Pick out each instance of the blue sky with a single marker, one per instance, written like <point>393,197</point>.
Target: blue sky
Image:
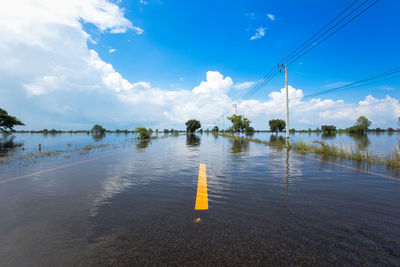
<point>186,39</point>
<point>164,50</point>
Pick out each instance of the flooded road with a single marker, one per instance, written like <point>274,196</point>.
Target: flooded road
<point>134,204</point>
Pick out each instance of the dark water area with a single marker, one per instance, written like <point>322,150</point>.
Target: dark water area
<point>133,204</point>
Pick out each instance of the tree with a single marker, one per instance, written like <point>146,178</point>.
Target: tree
<point>7,122</point>
<point>250,130</point>
<point>328,129</point>
<point>192,126</point>
<point>215,129</point>
<point>361,125</point>
<point>143,132</point>
<point>363,122</point>
<point>98,129</point>
<point>277,125</point>
<point>239,123</point>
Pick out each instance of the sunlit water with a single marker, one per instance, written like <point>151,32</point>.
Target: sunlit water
<point>134,204</point>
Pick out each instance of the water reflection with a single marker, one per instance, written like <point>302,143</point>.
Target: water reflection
<point>361,141</point>
<point>192,140</point>
<point>279,141</point>
<point>142,144</point>
<point>249,134</point>
<point>287,176</point>
<point>326,136</point>
<point>98,136</point>
<point>7,144</point>
<point>239,145</point>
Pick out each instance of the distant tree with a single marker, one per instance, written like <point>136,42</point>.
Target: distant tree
<point>98,129</point>
<point>201,131</point>
<point>250,130</point>
<point>143,132</point>
<point>328,129</point>
<point>166,131</point>
<point>363,122</point>
<point>277,125</point>
<point>215,129</point>
<point>361,126</point>
<point>7,122</point>
<point>239,123</point>
<point>192,126</point>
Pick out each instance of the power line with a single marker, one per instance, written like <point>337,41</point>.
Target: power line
<point>390,74</point>
<point>304,47</point>
<point>353,18</point>
<point>353,84</point>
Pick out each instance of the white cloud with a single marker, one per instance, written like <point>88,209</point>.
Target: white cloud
<point>111,50</point>
<point>251,15</point>
<point>51,79</point>
<point>243,85</point>
<point>143,2</point>
<point>260,32</point>
<point>271,17</point>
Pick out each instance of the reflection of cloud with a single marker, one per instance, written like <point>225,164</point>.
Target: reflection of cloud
<point>119,177</point>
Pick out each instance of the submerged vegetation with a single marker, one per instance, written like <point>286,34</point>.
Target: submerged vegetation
<point>143,132</point>
<point>320,148</point>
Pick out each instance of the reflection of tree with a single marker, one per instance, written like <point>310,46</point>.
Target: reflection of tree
<point>326,135</point>
<point>7,145</point>
<point>142,144</point>
<point>239,146</point>
<point>98,136</point>
<point>276,140</point>
<point>361,141</point>
<point>249,134</point>
<point>192,140</point>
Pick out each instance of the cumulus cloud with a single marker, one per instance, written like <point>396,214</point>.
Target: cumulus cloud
<point>260,32</point>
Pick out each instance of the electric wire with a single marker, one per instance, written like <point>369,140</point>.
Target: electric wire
<point>314,40</point>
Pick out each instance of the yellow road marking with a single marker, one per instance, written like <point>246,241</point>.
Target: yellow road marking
<point>202,196</point>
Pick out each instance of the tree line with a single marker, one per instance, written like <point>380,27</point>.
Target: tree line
<point>240,124</point>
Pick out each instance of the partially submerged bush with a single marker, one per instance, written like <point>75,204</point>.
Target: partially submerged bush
<point>143,132</point>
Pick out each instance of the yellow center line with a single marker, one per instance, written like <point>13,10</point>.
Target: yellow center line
<point>202,196</point>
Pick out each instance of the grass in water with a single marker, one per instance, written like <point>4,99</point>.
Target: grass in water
<point>320,148</point>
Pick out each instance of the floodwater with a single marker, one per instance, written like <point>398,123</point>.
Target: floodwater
<point>132,203</point>
<point>380,143</point>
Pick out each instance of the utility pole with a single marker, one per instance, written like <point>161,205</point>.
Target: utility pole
<point>287,106</point>
<point>284,66</point>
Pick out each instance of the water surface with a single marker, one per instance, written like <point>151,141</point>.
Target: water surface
<point>133,203</point>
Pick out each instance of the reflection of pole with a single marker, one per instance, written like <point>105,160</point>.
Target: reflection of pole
<point>287,176</point>
<point>287,105</point>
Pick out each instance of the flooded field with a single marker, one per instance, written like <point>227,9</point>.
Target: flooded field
<point>129,202</point>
